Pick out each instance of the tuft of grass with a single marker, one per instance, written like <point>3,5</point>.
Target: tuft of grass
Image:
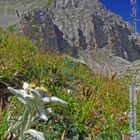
<point>5,116</point>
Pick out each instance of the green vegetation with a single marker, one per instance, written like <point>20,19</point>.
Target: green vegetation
<point>98,106</point>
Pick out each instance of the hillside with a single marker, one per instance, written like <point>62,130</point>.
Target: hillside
<point>77,51</point>
<point>88,31</point>
<point>86,26</point>
<point>92,109</point>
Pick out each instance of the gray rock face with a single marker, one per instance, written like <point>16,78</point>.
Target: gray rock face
<point>86,25</point>
<point>39,27</point>
<point>100,61</point>
<point>131,73</point>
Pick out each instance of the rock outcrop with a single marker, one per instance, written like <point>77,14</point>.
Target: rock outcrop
<point>87,24</point>
<point>83,25</point>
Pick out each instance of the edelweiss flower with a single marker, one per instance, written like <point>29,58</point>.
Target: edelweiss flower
<point>33,99</point>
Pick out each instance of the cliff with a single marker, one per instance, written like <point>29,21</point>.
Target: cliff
<point>85,30</point>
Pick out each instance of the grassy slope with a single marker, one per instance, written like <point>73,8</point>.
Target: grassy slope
<point>96,103</point>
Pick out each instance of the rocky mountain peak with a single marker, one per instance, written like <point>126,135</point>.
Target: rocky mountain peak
<point>80,25</point>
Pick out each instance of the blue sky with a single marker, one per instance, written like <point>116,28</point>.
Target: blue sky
<point>123,8</point>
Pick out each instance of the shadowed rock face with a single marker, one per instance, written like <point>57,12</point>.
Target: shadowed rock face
<point>87,25</point>
<point>39,27</point>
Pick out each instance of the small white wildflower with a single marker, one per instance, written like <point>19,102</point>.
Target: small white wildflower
<point>34,99</point>
<point>25,85</point>
<point>69,91</point>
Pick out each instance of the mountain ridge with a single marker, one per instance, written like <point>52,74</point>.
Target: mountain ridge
<point>85,25</point>
<point>80,27</point>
